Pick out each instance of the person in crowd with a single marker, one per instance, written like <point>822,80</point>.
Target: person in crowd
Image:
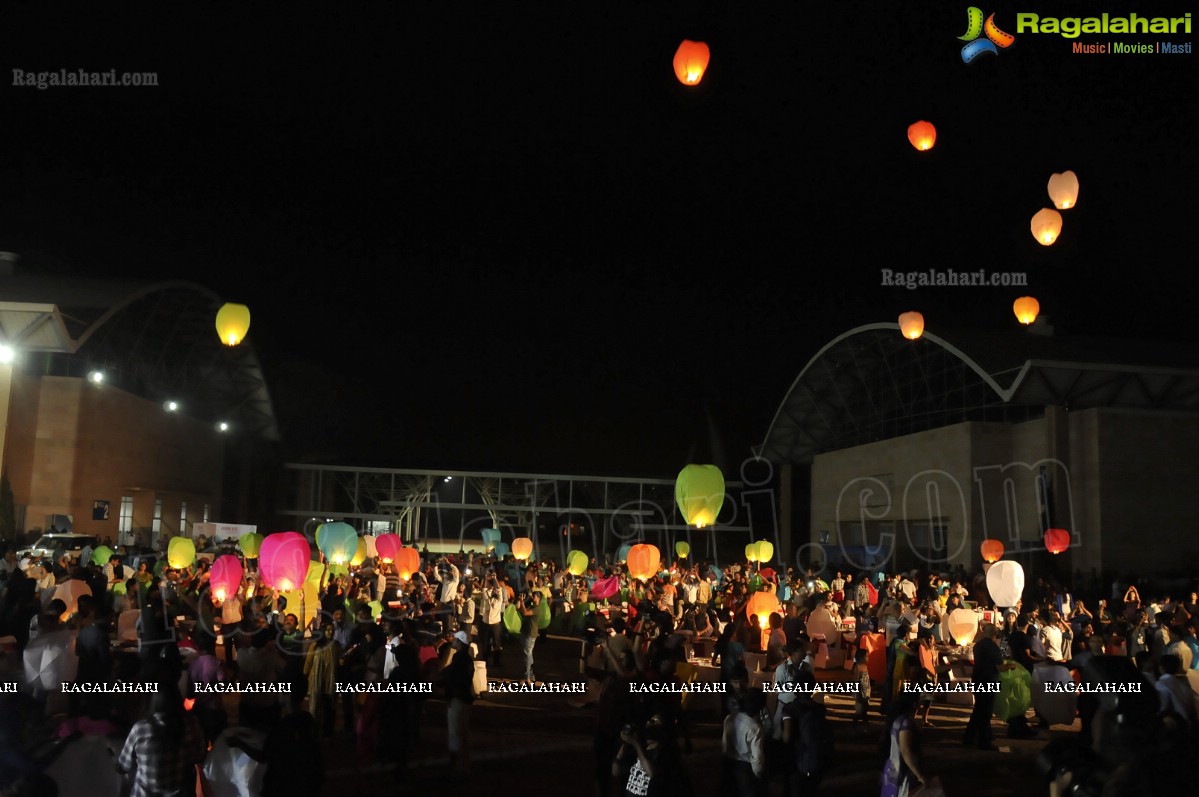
<point>161,752</point>
<point>743,745</point>
<point>320,668</point>
<point>458,680</point>
<point>529,631</point>
<point>904,768</point>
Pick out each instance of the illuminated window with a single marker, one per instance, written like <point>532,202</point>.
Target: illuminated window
<point>125,523</point>
<point>183,519</point>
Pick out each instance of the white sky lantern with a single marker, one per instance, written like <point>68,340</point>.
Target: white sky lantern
<point>1063,190</point>
<point>963,624</point>
<point>1005,582</point>
<point>1046,226</point>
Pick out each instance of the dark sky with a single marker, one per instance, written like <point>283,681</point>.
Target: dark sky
<point>505,236</point>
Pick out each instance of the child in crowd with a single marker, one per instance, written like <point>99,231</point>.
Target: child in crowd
<point>862,701</point>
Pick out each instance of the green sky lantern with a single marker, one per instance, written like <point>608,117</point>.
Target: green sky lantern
<point>576,563</point>
<point>101,555</point>
<point>337,541</point>
<point>682,548</point>
<point>699,493</point>
<point>181,552</point>
<point>250,544</point>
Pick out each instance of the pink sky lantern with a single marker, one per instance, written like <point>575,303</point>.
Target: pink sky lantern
<point>283,560</point>
<point>224,577</point>
<point>388,546</point>
<point>605,588</point>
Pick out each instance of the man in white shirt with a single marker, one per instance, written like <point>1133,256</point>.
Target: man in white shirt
<point>449,582</point>
<point>794,670</point>
<point>743,742</point>
<point>1056,637</point>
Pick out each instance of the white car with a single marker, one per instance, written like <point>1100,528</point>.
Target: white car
<point>48,545</point>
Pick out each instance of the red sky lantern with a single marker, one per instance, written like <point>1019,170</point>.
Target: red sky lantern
<point>992,550</point>
<point>388,546</point>
<point>922,135</point>
<point>407,562</point>
<point>1056,540</point>
<point>691,61</point>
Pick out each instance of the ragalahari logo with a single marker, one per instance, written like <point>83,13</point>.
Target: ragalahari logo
<point>995,40</point>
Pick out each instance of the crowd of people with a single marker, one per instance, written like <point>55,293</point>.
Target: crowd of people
<point>161,625</point>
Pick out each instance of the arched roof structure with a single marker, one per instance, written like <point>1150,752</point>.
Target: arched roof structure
<point>871,384</point>
<point>154,339</point>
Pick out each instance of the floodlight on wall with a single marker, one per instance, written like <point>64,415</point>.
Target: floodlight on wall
<point>7,353</point>
<point>96,377</point>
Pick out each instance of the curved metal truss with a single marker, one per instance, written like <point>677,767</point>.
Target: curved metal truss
<point>871,384</point>
<point>155,340</point>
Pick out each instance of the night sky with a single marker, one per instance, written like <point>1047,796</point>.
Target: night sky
<point>504,236</point>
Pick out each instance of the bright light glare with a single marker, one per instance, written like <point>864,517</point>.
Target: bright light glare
<point>222,426</point>
<point>96,377</point>
<point>171,406</point>
<point>449,478</point>
<point>6,353</point>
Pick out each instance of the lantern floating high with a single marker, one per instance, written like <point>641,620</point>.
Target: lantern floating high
<point>1026,309</point>
<point>682,548</point>
<point>923,135</point>
<point>691,61</point>
<point>224,577</point>
<point>992,550</point>
<point>643,561</point>
<point>232,323</point>
<point>576,563</point>
<point>911,324</point>
<point>1046,226</point>
<point>522,548</point>
<point>1063,190</point>
<point>699,494</point>
<point>181,552</point>
<point>1056,540</point>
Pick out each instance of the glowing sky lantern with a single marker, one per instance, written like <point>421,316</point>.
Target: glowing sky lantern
<point>181,552</point>
<point>765,550</point>
<point>491,538</point>
<point>763,604</point>
<point>250,544</point>
<point>283,560</point>
<point>691,61</point>
<point>1056,540</point>
<point>576,563</point>
<point>224,577</point>
<point>371,551</point>
<point>337,541</point>
<point>232,323</point>
<point>360,553</point>
<point>699,493</point>
<point>1026,309</point>
<point>963,625</point>
<point>911,324</point>
<point>751,552</point>
<point>682,549</point>
<point>1005,583</point>
<point>922,135</point>
<point>992,550</point>
<point>387,546</point>
<point>1063,190</point>
<point>522,548</point>
<point>407,562</point>
<point>644,561</point>
<point>1046,225</point>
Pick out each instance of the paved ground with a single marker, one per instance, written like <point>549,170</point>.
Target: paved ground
<point>541,745</point>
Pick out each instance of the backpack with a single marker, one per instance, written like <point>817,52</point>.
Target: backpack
<point>815,748</point>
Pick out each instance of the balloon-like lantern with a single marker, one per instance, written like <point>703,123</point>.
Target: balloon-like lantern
<point>1005,583</point>
<point>224,577</point>
<point>963,625</point>
<point>181,552</point>
<point>1063,190</point>
<point>1046,225</point>
<point>522,548</point>
<point>250,544</point>
<point>763,604</point>
<point>388,546</point>
<point>101,555</point>
<point>992,550</point>
<point>922,135</point>
<point>337,541</point>
<point>682,548</point>
<point>360,552</point>
<point>765,550</point>
<point>232,323</point>
<point>576,563</point>
<point>691,61</point>
<point>1056,540</point>
<point>1026,309</point>
<point>407,562</point>
<point>699,493</point>
<point>644,560</point>
<point>283,560</point>
<point>911,324</point>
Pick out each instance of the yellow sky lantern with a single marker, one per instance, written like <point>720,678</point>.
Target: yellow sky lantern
<point>1026,309</point>
<point>1063,190</point>
<point>911,324</point>
<point>1046,226</point>
<point>922,135</point>
<point>232,323</point>
<point>691,61</point>
<point>699,494</point>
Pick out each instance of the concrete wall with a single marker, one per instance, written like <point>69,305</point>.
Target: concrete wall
<point>78,443</point>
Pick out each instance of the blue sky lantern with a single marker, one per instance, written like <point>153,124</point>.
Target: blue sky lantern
<point>502,549</point>
<point>622,553</point>
<point>491,538</point>
<point>337,541</point>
